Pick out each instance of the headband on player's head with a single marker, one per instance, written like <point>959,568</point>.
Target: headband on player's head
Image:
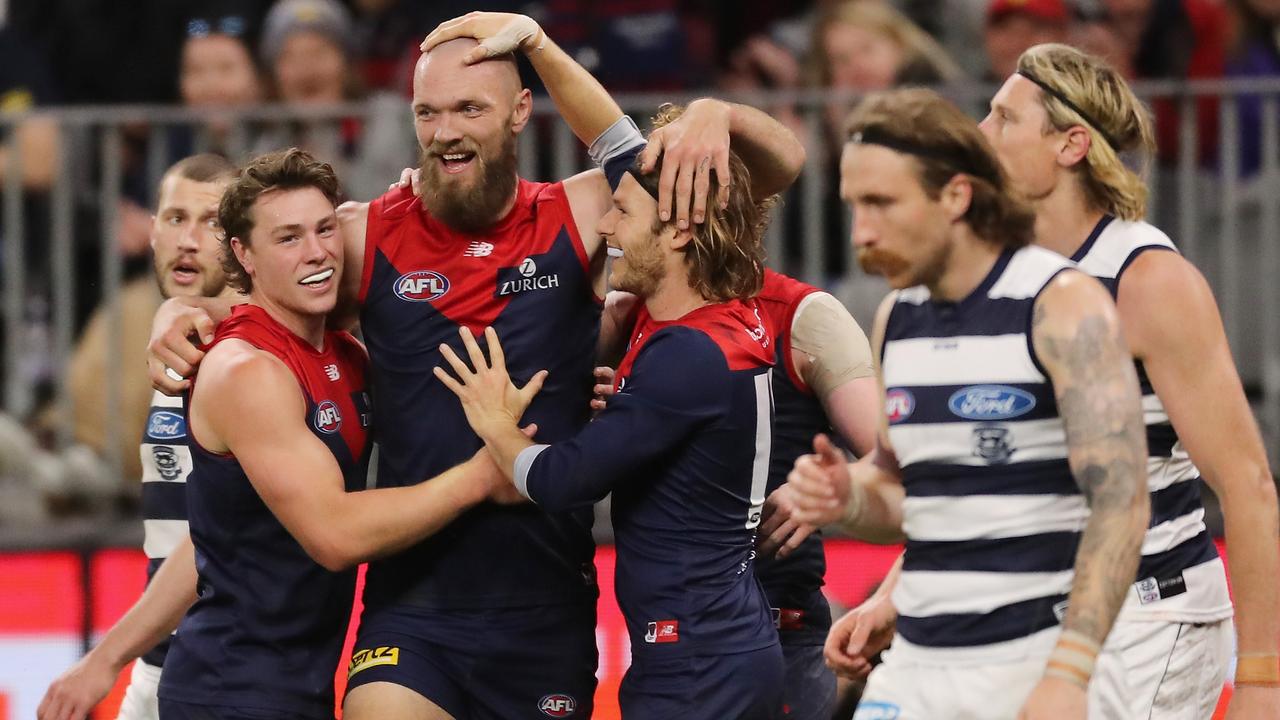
<point>634,172</point>
<point>1062,98</point>
<point>952,157</point>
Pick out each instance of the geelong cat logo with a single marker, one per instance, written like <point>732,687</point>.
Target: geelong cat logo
<point>991,402</point>
<point>421,286</point>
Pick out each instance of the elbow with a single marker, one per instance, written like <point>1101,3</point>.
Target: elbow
<point>333,553</point>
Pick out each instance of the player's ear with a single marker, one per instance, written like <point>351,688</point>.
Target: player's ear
<point>522,110</point>
<point>681,237</point>
<point>243,256</point>
<point>956,196</point>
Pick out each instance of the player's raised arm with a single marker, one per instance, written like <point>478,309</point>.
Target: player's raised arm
<point>1076,335</point>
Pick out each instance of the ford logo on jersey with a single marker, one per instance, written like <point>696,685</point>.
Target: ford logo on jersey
<point>165,425</point>
<point>991,402</point>
<point>421,286</point>
<point>328,419</point>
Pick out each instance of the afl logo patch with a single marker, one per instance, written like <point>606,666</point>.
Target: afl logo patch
<point>421,286</point>
<point>990,402</point>
<point>898,405</point>
<point>558,705</point>
<point>165,425</point>
<point>328,419</point>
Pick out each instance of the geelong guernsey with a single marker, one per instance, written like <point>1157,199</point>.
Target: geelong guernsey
<point>166,464</point>
<point>992,513</point>
<point>1180,577</point>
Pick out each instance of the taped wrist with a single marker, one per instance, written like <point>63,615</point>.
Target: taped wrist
<point>1073,658</point>
<point>1261,670</point>
<point>616,149</point>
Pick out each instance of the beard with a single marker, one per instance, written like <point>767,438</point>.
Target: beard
<point>475,206</point>
<point>643,271</point>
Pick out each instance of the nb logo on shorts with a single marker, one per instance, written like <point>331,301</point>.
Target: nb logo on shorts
<point>365,659</point>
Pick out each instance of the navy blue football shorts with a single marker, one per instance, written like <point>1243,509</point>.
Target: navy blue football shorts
<point>809,692</point>
<point>739,686</point>
<point>484,664</point>
<point>170,710</point>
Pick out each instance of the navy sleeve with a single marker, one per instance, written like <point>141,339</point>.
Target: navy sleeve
<point>678,383</point>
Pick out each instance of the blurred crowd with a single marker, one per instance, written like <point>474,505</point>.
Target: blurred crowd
<point>211,55</point>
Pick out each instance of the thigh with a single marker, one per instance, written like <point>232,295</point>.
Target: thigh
<point>380,700</point>
<point>139,702</point>
<point>809,688</point>
<point>399,665</point>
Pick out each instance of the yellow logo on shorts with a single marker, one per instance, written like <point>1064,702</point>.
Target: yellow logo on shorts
<point>365,659</point>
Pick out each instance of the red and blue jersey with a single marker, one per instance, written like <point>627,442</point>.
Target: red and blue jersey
<point>794,583</point>
<point>684,447</point>
<point>267,628</point>
<point>529,278</point>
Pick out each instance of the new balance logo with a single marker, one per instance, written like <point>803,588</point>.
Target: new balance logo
<point>479,249</point>
<point>332,372</point>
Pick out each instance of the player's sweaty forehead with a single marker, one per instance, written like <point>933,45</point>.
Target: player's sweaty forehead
<point>441,71</point>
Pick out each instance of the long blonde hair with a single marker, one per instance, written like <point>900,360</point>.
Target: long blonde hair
<point>1103,95</point>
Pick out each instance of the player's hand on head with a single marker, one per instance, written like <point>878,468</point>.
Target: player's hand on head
<point>172,354</point>
<point>858,636</point>
<point>692,148</point>
<point>489,398</point>
<point>497,33</point>
<point>603,389</point>
<point>780,533</point>
<point>820,484</point>
<point>1055,699</point>
<point>75,693</point>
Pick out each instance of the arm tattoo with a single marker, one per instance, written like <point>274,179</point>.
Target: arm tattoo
<point>1100,406</point>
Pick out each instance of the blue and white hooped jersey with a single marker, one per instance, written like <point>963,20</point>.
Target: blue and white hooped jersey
<point>166,464</point>
<point>992,513</point>
<point>1180,578</point>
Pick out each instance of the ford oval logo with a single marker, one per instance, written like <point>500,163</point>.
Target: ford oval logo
<point>165,425</point>
<point>991,402</point>
<point>421,286</point>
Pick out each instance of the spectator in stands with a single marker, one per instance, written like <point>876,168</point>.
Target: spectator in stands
<point>24,85</point>
<point>1015,25</point>
<point>1164,39</point>
<point>1255,52</point>
<point>308,47</point>
<point>218,72</point>
<point>643,45</point>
